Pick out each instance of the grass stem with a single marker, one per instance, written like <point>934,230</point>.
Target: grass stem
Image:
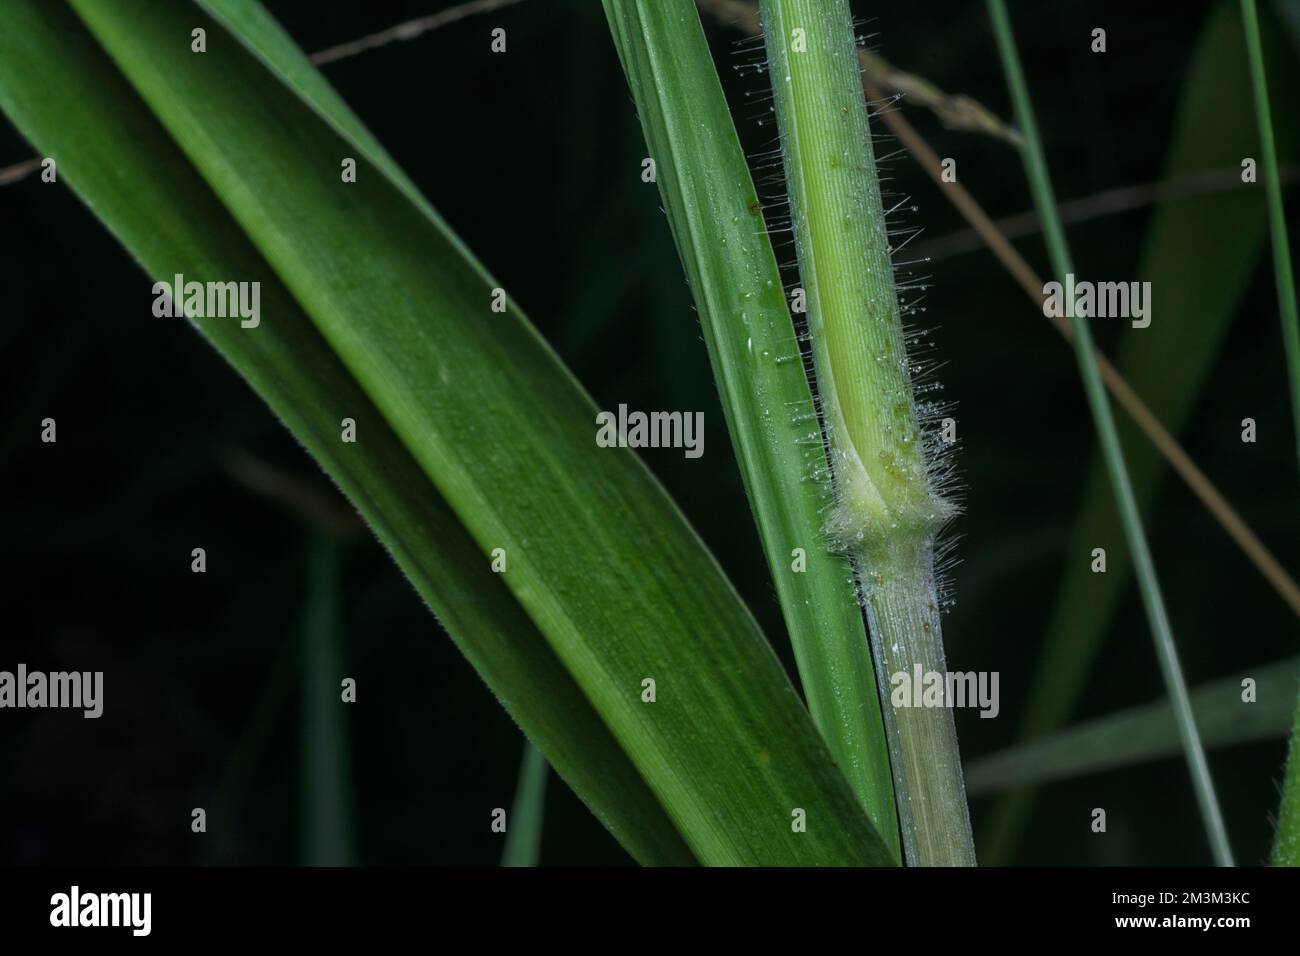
<point>524,829</point>
<point>886,509</point>
<point>328,830</point>
<point>1152,601</point>
<point>1286,300</point>
<point>1286,849</point>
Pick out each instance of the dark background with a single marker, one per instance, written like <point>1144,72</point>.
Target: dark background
<point>534,158</point>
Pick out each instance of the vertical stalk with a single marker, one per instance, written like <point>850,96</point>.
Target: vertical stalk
<point>524,829</point>
<point>328,833</point>
<point>1166,652</point>
<point>1286,848</point>
<point>886,511</point>
<point>1286,300</point>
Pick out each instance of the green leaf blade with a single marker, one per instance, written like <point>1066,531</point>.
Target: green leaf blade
<point>328,833</point>
<point>1144,733</point>
<point>524,830</point>
<point>598,556</point>
<point>123,165</point>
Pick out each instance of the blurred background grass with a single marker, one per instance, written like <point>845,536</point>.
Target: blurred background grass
<point>534,158</point>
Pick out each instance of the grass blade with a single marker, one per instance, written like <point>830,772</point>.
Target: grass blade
<point>122,164</point>
<point>727,748</point>
<point>1145,733</point>
<point>1166,652</point>
<point>327,830</point>
<point>887,507</point>
<point>1201,255</point>
<point>524,831</point>
<point>564,578</point>
<point>718,225</point>
<point>1285,278</point>
<point>1286,850</point>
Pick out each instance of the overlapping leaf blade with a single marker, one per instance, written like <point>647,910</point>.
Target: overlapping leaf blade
<point>717,222</point>
<point>122,164</point>
<point>598,556</point>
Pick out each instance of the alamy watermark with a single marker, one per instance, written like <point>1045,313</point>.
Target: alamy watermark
<point>83,690</point>
<point>922,688</point>
<point>75,908</point>
<point>209,300</point>
<point>1100,300</point>
<point>651,430</point>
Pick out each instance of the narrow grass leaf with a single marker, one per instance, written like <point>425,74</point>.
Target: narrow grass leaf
<point>1166,652</point>
<point>1287,848</point>
<point>1200,254</point>
<point>328,834</point>
<point>1150,732</point>
<point>595,551</point>
<point>1282,273</point>
<point>122,164</point>
<point>527,813</point>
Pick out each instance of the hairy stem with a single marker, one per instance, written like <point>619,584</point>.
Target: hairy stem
<point>886,510</point>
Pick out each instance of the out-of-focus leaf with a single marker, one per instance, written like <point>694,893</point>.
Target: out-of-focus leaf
<point>328,837</point>
<point>1145,733</point>
<point>1199,254</point>
<point>524,825</point>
